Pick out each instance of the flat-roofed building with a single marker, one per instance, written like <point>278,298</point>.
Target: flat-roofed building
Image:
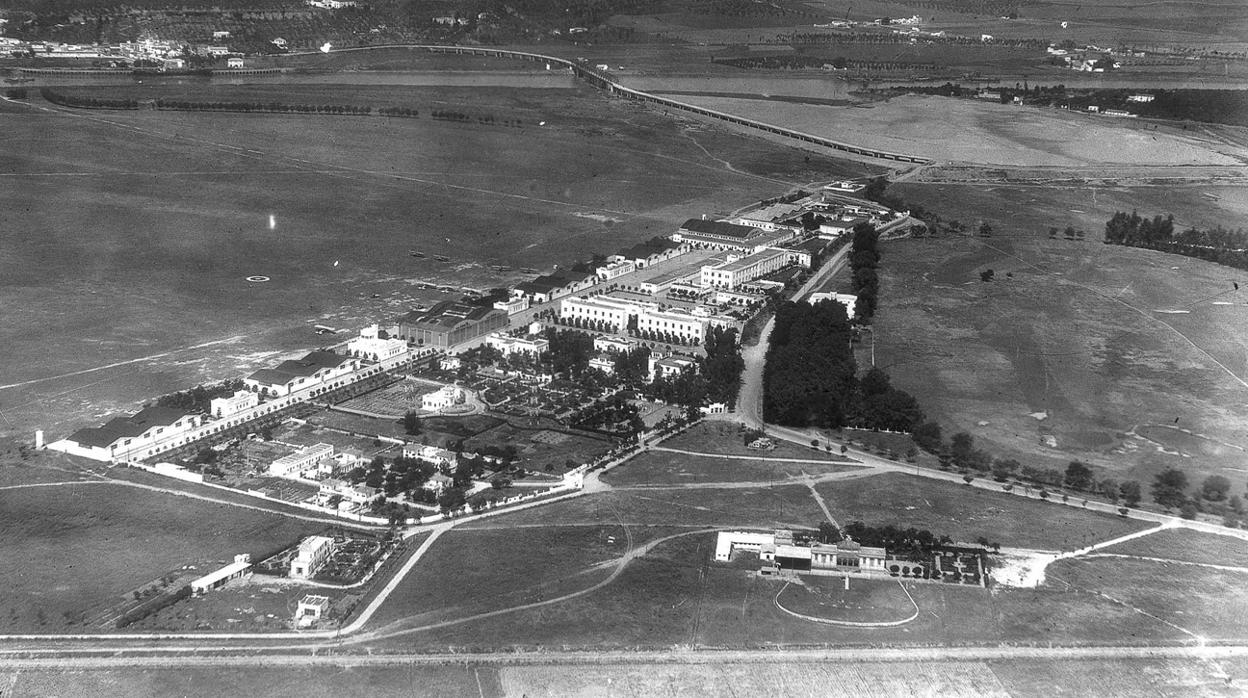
<point>613,312</point>
<point>615,269</point>
<point>722,235</point>
<point>735,272</point>
<point>375,344</point>
<point>311,556</point>
<point>687,326</point>
<point>442,398</point>
<point>613,345</point>
<point>219,578</point>
<point>449,323</point>
<point>240,401</point>
<point>604,363</point>
<point>509,345</point>
<point>306,458</point>
<point>668,366</point>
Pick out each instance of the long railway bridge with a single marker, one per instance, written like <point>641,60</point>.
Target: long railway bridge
<point>605,81</point>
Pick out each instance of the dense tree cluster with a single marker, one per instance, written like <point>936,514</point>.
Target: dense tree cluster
<point>198,399</point>
<point>723,365</point>
<point>810,377</point>
<point>1218,245</point>
<point>904,542</point>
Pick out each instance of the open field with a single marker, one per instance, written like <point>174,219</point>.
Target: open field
<point>728,439</point>
<point>677,595</point>
<point>494,568</point>
<point>74,549</point>
<point>1187,546</point>
<point>1201,602</point>
<point>150,218</point>
<point>955,679</point>
<point>1127,358</point>
<point>760,507</point>
<point>986,133</point>
<point>965,514</point>
<point>658,468</point>
<point>866,600</point>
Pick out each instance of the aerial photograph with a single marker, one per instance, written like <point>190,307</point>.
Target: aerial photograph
<point>545,348</point>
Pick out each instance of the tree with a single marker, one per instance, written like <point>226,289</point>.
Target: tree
<point>411,423</point>
<point>1130,491</point>
<point>1004,469</point>
<point>986,275</point>
<point>1215,488</point>
<point>1169,488</point>
<point>962,447</point>
<point>1236,504</point>
<point>985,230</point>
<point>1078,476</point>
<point>927,436</point>
<point>1188,509</point>
<point>1109,488</point>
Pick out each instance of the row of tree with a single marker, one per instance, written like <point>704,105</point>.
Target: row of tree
<point>199,398</point>
<point>864,260</point>
<point>84,102</point>
<point>1218,245</point>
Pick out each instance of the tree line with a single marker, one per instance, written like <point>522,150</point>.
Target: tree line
<point>803,62</point>
<point>864,260</point>
<point>1218,244</point>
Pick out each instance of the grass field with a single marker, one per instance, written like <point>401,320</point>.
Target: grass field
<point>965,514</point>
<point>657,468</point>
<point>76,548</point>
<point>866,600</point>
<point>728,439</point>
<point>962,679</point>
<point>1201,602</point>
<point>986,133</point>
<point>132,222</point>
<point>1125,361</point>
<point>1188,546</point>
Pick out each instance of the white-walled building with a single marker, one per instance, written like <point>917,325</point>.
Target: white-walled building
<point>440,457</point>
<point>669,366</point>
<point>150,431</point>
<point>615,269</point>
<point>518,303</point>
<point>509,345</point>
<point>219,578</point>
<point>739,270</point>
<point>676,321</point>
<point>311,556</point>
<point>295,464</point>
<point>615,312</point>
<point>441,399</point>
<point>314,369</point>
<point>613,345</point>
<point>375,344</point>
<point>240,401</point>
<point>603,363</point>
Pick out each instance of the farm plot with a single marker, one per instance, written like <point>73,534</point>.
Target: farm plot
<point>77,548</point>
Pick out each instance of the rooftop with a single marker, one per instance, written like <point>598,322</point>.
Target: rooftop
<point>124,427</point>
<point>720,228</point>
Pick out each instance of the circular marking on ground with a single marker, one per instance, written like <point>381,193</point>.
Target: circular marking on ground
<point>850,623</point>
<point>258,279</point>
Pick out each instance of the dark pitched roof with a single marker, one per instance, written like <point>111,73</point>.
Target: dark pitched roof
<point>271,376</point>
<point>123,427</point>
<point>732,230</point>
